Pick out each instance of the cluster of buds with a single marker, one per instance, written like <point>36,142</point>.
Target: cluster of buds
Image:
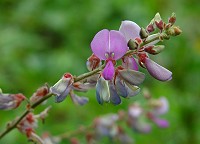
<point>29,123</point>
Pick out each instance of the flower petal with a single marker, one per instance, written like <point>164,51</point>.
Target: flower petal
<point>79,100</point>
<point>163,108</point>
<point>108,71</point>
<point>114,97</point>
<point>130,30</point>
<point>129,63</point>
<point>112,43</point>
<point>157,71</point>
<point>132,90</point>
<point>124,89</point>
<point>60,97</point>
<point>102,91</point>
<point>117,45</point>
<point>131,76</point>
<point>161,122</point>
<point>100,44</point>
<point>120,87</point>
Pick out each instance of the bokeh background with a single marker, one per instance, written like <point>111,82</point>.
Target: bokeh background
<point>42,39</point>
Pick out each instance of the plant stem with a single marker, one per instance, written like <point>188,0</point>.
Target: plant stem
<point>14,123</point>
<point>82,129</point>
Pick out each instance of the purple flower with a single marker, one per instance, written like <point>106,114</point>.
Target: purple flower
<point>110,46</point>
<point>159,107</point>
<point>106,125</point>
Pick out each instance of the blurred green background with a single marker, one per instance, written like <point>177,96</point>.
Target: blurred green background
<point>42,39</point>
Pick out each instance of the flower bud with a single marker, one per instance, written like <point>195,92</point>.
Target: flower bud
<point>158,21</point>
<point>132,44</point>
<point>157,17</point>
<point>62,88</point>
<point>174,31</point>
<point>39,94</point>
<point>143,33</point>
<point>160,24</point>
<point>93,62</point>
<point>150,28</point>
<point>154,49</point>
<point>172,19</point>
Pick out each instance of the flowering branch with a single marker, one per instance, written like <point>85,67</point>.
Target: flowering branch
<point>129,44</point>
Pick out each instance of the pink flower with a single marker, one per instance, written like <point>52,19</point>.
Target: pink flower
<point>109,46</point>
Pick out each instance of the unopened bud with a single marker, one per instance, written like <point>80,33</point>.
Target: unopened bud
<point>93,62</point>
<point>172,19</point>
<point>158,21</point>
<point>150,28</point>
<point>167,26</point>
<point>146,93</point>
<point>159,24</point>
<point>143,33</point>
<point>157,18</point>
<point>174,31</point>
<point>154,49</point>
<point>132,44</point>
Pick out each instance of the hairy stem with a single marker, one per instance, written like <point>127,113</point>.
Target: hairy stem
<point>14,123</point>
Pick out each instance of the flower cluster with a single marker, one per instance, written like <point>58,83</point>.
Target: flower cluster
<point>114,72</point>
<point>132,45</point>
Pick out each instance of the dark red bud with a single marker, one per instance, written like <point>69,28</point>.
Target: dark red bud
<point>160,24</point>
<point>150,28</point>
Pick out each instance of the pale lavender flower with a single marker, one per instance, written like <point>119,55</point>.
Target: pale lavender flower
<point>110,46</point>
<point>10,101</point>
<point>159,107</point>
<point>135,121</point>
<point>106,125</point>
<point>62,88</point>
